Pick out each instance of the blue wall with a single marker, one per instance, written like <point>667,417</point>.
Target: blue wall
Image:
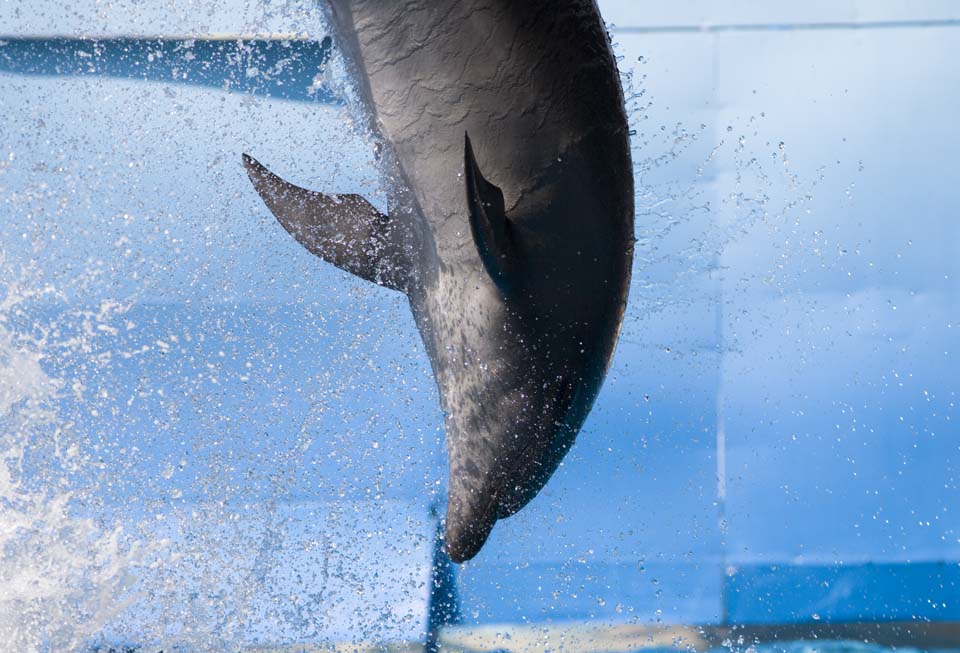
<point>782,407</point>
<point>792,331</point>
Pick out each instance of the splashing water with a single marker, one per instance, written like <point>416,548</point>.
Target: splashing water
<point>63,576</point>
<point>683,224</point>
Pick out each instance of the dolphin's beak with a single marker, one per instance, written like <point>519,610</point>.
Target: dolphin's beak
<point>466,528</point>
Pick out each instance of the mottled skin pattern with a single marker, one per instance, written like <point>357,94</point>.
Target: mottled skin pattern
<point>519,359</point>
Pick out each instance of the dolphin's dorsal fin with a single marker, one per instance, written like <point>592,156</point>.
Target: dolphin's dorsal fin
<point>345,230</point>
<point>488,222</point>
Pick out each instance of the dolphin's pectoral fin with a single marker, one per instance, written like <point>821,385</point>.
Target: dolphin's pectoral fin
<point>345,230</point>
<point>488,222</point>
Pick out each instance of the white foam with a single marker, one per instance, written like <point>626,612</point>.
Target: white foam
<point>63,576</point>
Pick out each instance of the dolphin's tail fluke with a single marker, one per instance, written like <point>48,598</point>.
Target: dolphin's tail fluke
<point>345,230</point>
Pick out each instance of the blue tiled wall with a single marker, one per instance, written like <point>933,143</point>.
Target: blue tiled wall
<point>778,435</point>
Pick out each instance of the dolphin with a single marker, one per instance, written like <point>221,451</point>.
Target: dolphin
<point>505,150</point>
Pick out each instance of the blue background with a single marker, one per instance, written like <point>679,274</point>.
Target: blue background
<point>781,415</point>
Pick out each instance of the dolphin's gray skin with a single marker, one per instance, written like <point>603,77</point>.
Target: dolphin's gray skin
<point>518,275</point>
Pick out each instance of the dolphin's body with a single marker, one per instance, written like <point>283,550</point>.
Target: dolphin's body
<point>518,276</point>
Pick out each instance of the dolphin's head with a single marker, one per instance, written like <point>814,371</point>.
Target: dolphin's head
<point>525,339</point>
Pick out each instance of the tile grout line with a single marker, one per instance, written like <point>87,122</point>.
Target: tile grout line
<point>785,27</point>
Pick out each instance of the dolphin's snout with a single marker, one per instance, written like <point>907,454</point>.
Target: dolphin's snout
<point>465,531</point>
<point>533,435</point>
